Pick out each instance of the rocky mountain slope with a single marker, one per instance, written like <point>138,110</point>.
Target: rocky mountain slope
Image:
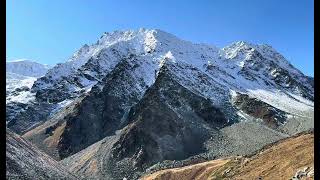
<point>257,70</point>
<point>20,76</point>
<point>145,99</point>
<point>25,161</point>
<point>291,158</point>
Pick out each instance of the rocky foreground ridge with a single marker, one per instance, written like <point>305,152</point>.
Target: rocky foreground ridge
<point>24,161</point>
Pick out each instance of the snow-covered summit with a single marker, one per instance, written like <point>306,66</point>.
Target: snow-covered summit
<point>243,50</point>
<point>26,68</point>
<point>92,62</point>
<point>211,72</point>
<point>20,76</point>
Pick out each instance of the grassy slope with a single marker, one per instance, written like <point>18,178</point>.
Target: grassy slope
<point>280,160</point>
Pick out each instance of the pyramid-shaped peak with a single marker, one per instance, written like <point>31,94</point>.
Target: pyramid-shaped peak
<point>130,34</point>
<point>240,44</point>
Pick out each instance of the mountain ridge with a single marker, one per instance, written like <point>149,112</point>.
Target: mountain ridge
<point>130,85</point>
<point>26,67</point>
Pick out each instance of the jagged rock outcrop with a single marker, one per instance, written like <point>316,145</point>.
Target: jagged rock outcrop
<point>167,126</point>
<point>270,116</point>
<point>104,111</point>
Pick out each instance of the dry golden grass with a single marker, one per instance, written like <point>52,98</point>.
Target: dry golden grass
<point>279,161</point>
<point>46,142</point>
<point>192,172</point>
<point>52,141</point>
<point>282,160</point>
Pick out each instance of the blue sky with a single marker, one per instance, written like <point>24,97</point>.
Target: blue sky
<point>50,31</point>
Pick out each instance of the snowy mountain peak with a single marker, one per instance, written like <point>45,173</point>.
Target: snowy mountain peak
<point>255,66</point>
<point>241,52</point>
<point>20,76</point>
<point>114,82</point>
<point>80,54</point>
<point>243,43</point>
<point>150,87</point>
<point>26,68</point>
<point>246,47</point>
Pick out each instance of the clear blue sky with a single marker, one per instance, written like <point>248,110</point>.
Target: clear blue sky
<point>49,31</point>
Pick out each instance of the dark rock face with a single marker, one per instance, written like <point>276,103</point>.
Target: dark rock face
<point>21,117</point>
<point>311,81</point>
<point>23,88</point>
<point>53,95</point>
<point>103,111</point>
<point>284,79</point>
<point>49,90</point>
<point>163,127</point>
<point>271,116</point>
<point>168,122</point>
<point>57,92</point>
<point>24,161</point>
<point>65,87</point>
